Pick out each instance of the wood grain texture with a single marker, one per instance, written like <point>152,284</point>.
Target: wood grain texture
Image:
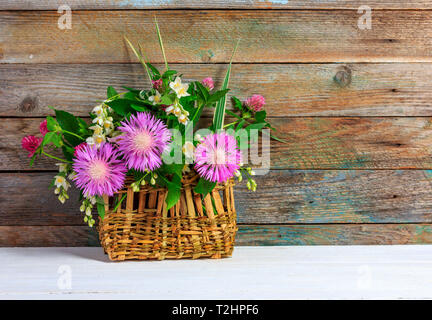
<point>209,36</point>
<point>350,234</point>
<point>283,196</point>
<point>48,236</point>
<point>396,89</point>
<point>248,235</point>
<point>211,4</point>
<point>312,143</point>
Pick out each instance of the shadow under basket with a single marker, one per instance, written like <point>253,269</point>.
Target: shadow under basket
<point>196,227</point>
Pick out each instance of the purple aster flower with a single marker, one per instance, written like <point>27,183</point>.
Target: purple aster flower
<point>143,142</point>
<point>217,157</point>
<point>98,170</point>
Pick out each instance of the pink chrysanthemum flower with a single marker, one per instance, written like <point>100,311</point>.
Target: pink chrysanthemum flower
<point>43,127</point>
<point>143,142</point>
<point>208,82</point>
<point>99,171</point>
<point>157,84</point>
<point>31,143</point>
<point>256,102</point>
<point>217,157</point>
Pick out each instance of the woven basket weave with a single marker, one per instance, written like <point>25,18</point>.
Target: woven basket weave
<point>196,227</point>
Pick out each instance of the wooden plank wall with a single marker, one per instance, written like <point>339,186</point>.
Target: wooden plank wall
<point>354,106</point>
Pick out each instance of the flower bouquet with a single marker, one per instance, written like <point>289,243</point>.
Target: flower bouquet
<point>162,186</point>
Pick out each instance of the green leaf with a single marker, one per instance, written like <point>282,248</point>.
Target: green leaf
<point>51,124</point>
<point>169,73</point>
<point>131,89</point>
<point>219,114</point>
<point>68,152</point>
<point>161,44</point>
<point>237,103</point>
<point>260,116</point>
<point>176,169</point>
<point>204,91</point>
<point>215,97</point>
<point>100,206</point>
<point>256,125</point>
<point>204,186</point>
<point>120,106</point>
<point>111,92</point>
<point>69,123</point>
<point>140,58</point>
<point>139,108</point>
<point>52,137</point>
<point>278,139</point>
<point>166,99</point>
<point>233,114</point>
<point>174,192</point>
<point>153,69</point>
<point>240,124</point>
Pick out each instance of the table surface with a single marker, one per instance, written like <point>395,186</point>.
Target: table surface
<point>295,272</point>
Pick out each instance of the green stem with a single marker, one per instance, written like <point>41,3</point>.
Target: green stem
<point>54,157</point>
<point>73,134</point>
<point>227,125</point>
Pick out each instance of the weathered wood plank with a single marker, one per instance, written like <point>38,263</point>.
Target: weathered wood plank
<point>349,234</point>
<point>48,236</point>
<point>248,235</point>
<point>312,143</point>
<point>209,36</point>
<point>211,4</point>
<point>297,196</point>
<point>397,89</point>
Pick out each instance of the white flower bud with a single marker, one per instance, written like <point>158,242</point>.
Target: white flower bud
<point>88,211</point>
<point>152,181</point>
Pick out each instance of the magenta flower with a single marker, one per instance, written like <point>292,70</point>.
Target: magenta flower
<point>217,157</point>
<point>256,102</point>
<point>43,127</point>
<point>31,143</point>
<point>157,84</point>
<point>143,142</point>
<point>79,147</point>
<point>98,170</point>
<point>208,82</point>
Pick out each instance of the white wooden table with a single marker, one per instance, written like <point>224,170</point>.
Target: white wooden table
<point>306,272</point>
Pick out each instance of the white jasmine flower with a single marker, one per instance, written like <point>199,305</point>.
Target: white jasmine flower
<point>90,141</point>
<point>156,99</point>
<point>177,111</point>
<point>98,110</point>
<point>179,87</point>
<point>188,149</point>
<point>61,181</point>
<point>62,166</point>
<point>169,109</point>
<point>98,139</point>
<point>72,175</point>
<point>97,129</point>
<point>183,119</point>
<point>99,120</point>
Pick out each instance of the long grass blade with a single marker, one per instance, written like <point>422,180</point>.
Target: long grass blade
<point>161,43</point>
<point>140,58</point>
<point>219,114</point>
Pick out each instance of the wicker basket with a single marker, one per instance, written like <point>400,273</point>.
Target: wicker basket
<point>196,227</point>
